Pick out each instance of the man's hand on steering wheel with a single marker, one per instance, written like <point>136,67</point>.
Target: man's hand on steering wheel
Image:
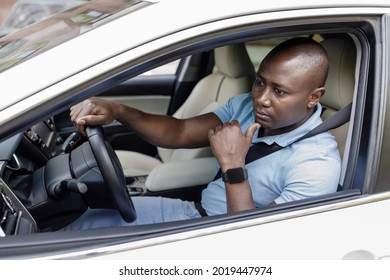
<point>93,111</point>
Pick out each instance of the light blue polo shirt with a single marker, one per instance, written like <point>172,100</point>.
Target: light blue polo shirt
<point>304,169</point>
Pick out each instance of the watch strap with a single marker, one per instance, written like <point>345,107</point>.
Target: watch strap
<point>235,175</point>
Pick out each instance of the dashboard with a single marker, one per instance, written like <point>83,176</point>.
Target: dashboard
<point>48,179</point>
<point>45,138</point>
<point>21,156</point>
<point>31,163</point>
<point>15,219</point>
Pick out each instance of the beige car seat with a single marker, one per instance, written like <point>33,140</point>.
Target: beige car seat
<point>190,167</point>
<point>340,85</point>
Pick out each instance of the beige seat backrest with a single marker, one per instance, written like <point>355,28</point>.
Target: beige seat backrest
<point>234,75</point>
<point>340,85</point>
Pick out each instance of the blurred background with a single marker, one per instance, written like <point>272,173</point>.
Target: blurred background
<point>16,14</point>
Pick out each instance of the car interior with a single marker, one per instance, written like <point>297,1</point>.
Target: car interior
<point>46,183</point>
<point>178,168</point>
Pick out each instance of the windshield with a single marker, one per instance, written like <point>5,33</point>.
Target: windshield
<point>17,14</point>
<point>61,27</point>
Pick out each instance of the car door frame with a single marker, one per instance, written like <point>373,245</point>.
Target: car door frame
<point>154,236</point>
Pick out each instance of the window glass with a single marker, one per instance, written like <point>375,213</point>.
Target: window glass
<point>167,69</point>
<point>60,27</point>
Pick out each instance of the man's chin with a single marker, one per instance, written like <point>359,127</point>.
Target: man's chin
<point>264,125</point>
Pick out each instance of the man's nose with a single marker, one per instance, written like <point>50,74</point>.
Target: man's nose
<point>263,98</point>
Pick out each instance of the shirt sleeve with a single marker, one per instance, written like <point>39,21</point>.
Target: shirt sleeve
<point>224,112</point>
<point>235,108</point>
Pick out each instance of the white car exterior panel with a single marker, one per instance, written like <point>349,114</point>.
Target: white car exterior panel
<point>308,237</point>
<point>335,230</point>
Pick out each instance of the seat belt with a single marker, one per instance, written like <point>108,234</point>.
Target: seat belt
<point>262,149</point>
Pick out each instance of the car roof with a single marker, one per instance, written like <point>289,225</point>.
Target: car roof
<point>157,18</point>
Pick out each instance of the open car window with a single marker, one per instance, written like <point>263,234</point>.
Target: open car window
<point>49,172</point>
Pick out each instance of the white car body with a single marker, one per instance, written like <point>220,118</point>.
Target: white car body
<point>353,228</point>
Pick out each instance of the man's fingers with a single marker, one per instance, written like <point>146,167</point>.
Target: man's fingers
<point>92,120</point>
<point>80,121</point>
<point>251,130</point>
<point>235,122</point>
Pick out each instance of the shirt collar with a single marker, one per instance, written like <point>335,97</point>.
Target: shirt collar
<point>286,139</point>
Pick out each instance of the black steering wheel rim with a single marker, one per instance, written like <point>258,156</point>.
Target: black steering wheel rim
<point>112,172</point>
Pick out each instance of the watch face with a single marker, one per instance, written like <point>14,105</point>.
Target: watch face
<point>235,175</point>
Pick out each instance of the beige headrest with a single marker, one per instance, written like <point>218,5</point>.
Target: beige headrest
<point>339,87</point>
<point>233,61</point>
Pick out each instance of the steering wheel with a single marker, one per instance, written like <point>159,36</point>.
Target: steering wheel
<point>112,172</point>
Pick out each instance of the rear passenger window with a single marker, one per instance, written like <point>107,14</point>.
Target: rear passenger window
<point>166,69</point>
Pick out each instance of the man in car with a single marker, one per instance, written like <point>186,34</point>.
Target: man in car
<point>283,106</point>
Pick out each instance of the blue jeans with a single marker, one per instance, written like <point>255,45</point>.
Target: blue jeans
<point>150,210</point>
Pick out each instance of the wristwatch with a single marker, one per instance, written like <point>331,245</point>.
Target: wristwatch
<point>235,175</point>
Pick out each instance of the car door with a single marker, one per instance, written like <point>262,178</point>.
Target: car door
<point>338,226</point>
<point>341,225</point>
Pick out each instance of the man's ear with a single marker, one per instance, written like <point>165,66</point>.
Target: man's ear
<point>315,97</point>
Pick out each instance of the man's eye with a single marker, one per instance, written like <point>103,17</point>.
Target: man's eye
<point>259,82</point>
<point>278,91</point>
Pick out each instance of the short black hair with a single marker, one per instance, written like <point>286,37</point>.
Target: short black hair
<point>314,53</point>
